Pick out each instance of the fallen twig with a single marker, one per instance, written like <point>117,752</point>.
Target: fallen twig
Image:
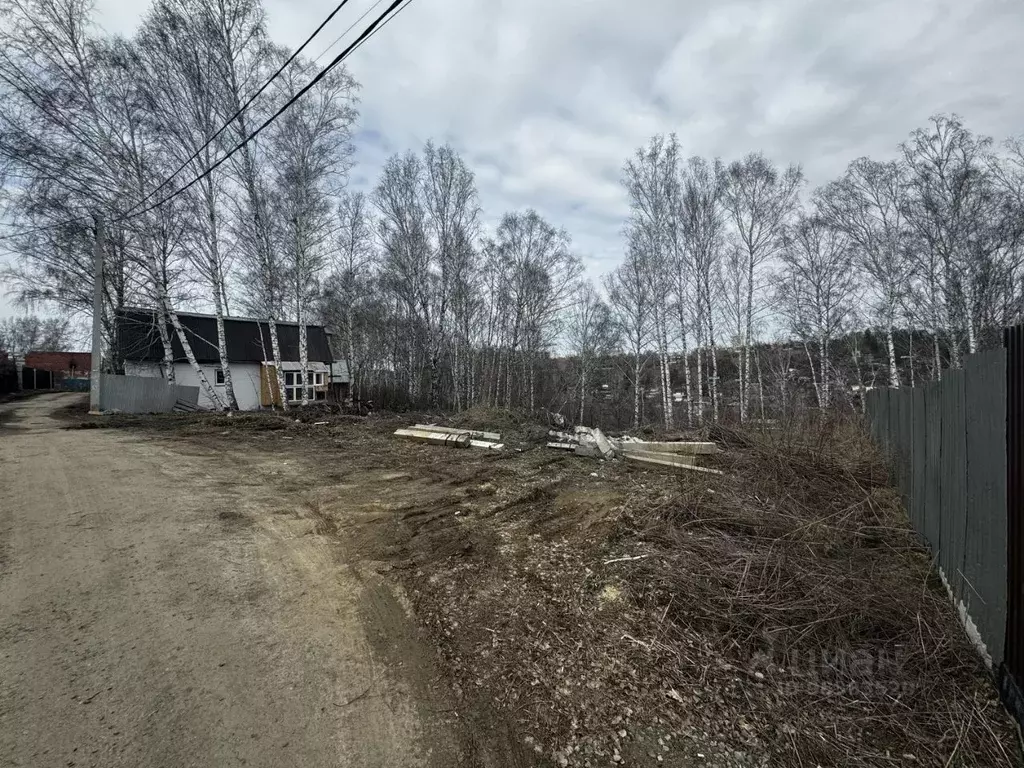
<point>624,559</point>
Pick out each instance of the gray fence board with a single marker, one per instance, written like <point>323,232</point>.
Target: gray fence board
<point>954,480</point>
<point>919,457</point>
<point>984,565</point>
<point>142,394</point>
<point>931,524</point>
<point>947,441</point>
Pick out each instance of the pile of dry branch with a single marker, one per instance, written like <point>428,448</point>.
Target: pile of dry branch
<point>779,615</point>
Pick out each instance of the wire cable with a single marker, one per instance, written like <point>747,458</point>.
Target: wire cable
<point>245,106</point>
<point>366,34</point>
<point>379,23</point>
<point>350,27</point>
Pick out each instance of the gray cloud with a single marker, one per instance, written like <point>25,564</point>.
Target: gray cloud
<point>546,100</point>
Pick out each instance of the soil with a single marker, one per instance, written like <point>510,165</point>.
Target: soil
<point>173,604</point>
<point>514,608</point>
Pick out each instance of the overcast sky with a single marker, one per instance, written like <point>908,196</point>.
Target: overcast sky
<point>547,98</point>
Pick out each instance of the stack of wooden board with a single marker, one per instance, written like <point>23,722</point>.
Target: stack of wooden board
<point>452,436</point>
<point>670,454</point>
<point>592,442</point>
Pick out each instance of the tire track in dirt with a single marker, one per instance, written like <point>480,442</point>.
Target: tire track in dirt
<point>166,607</point>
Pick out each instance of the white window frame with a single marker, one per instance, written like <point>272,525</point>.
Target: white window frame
<point>218,377</point>
<point>293,384</point>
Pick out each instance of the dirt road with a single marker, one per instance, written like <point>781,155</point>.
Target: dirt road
<point>157,609</point>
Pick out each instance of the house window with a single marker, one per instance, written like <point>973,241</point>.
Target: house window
<point>220,375</point>
<point>293,384</point>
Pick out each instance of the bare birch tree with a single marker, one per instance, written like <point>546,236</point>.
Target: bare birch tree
<point>651,178</point>
<point>310,155</point>
<point>868,206</point>
<point>629,294</point>
<point>350,280</point>
<point>703,229</point>
<point>179,68</point>
<point>956,212</point>
<point>450,202</point>
<point>540,271</point>
<point>590,334</point>
<point>817,292</point>
<point>759,200</point>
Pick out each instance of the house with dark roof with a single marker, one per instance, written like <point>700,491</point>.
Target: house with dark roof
<point>249,354</point>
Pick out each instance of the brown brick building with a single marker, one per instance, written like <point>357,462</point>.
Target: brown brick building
<point>63,365</point>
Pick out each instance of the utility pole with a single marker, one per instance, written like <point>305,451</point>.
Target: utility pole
<point>97,320</point>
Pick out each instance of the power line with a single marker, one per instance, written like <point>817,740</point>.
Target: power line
<point>350,26</point>
<point>221,130</point>
<point>245,106</point>
<point>379,23</point>
<point>366,34</point>
<point>359,43</point>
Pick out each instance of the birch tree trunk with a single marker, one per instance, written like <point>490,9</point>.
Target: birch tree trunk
<point>860,380</point>
<point>748,339</point>
<point>890,345</point>
<point>910,355</point>
<point>760,387</point>
<point>825,370</point>
<point>222,350</point>
<point>972,333</point>
<point>275,350</point>
<point>583,393</point>
<point>303,355</point>
<point>700,382</point>
<point>165,340</point>
<point>714,381</point>
<point>533,383</point>
<point>353,376</point>
<point>666,389</point>
<point>814,374</point>
<point>204,383</point>
<point>714,364</point>
<point>165,304</point>
<point>636,391</point>
<point>688,384</point>
<point>665,371</point>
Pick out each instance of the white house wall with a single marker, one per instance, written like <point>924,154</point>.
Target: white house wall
<point>245,377</point>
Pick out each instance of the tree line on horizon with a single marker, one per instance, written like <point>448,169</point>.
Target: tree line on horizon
<point>740,291</point>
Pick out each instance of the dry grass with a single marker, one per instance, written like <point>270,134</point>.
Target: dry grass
<point>781,613</point>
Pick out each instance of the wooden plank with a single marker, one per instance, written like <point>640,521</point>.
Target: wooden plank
<point>563,446</point>
<point>670,461</point>
<point>672,447</point>
<point>435,438</point>
<point>268,386</point>
<point>486,444</point>
<point>474,434</point>
<point>669,457</point>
